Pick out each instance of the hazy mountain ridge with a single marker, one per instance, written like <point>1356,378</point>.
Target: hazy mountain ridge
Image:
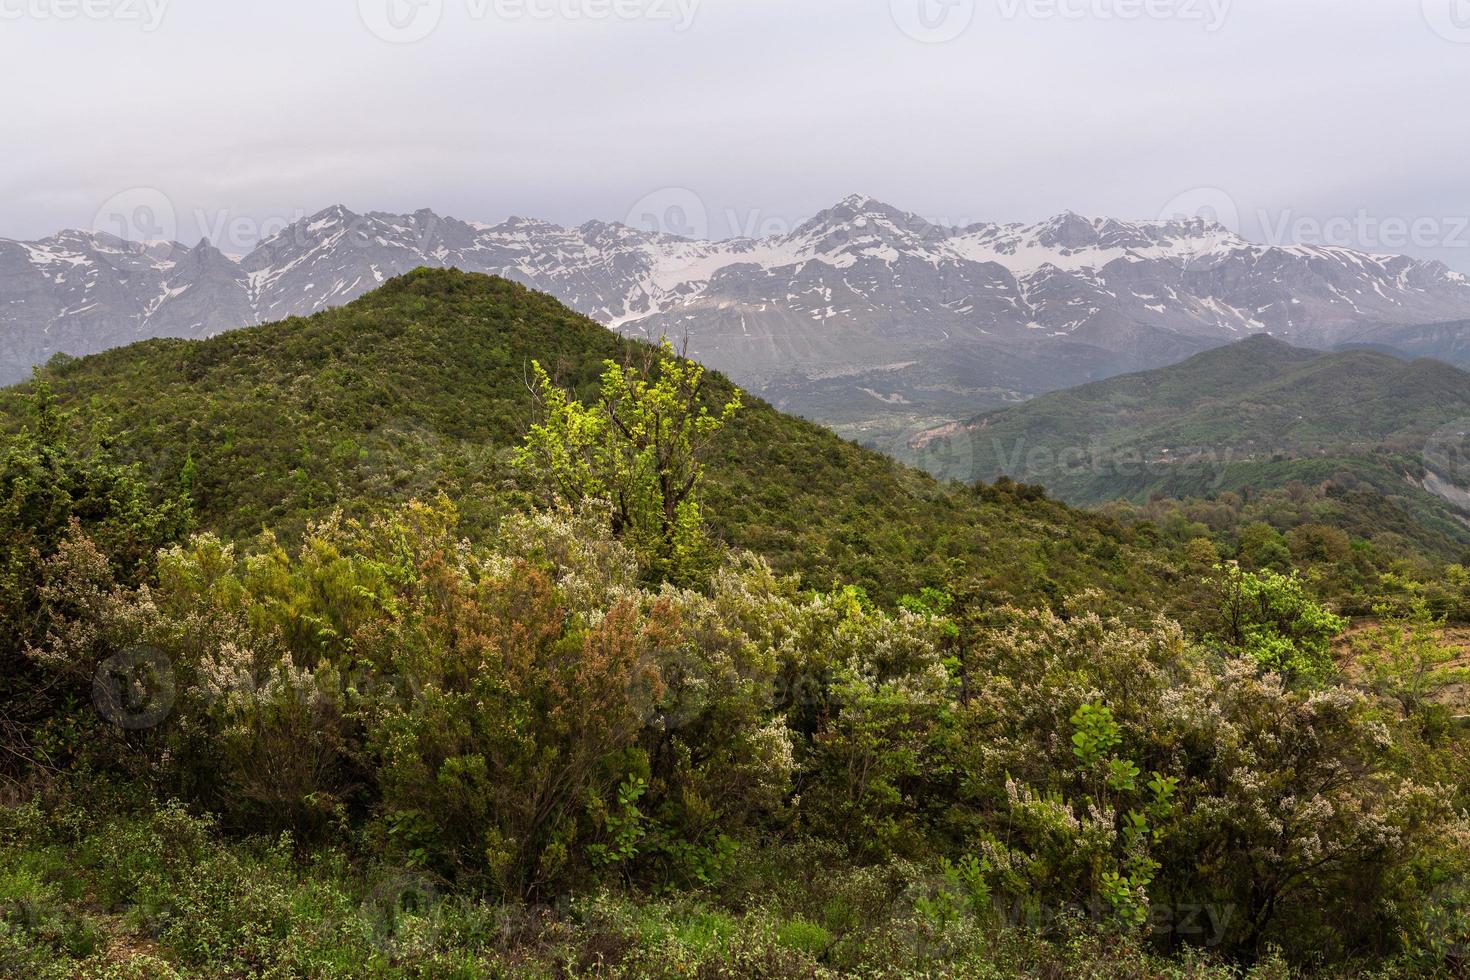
<point>865,316</point>
<point>1448,342</point>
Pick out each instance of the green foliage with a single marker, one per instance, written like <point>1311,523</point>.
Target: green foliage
<point>1350,540</point>
<point>802,936</point>
<point>1405,657</point>
<point>1125,890</point>
<point>1258,420</point>
<point>1274,801</point>
<point>421,387</point>
<point>978,748</point>
<point>1096,733</point>
<point>530,721</point>
<point>624,826</point>
<point>640,448</point>
<point>48,483</point>
<point>1262,546</point>
<point>507,719</point>
<point>1272,619</point>
<point>51,494</point>
<point>161,894</point>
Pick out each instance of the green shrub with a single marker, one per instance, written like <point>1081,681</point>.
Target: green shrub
<point>804,937</point>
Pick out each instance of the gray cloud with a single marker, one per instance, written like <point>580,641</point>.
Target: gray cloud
<point>1317,118</point>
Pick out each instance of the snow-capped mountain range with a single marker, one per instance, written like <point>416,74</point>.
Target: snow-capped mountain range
<point>862,311</point>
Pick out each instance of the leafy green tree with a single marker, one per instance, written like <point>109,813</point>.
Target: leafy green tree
<point>1125,889</point>
<point>640,448</point>
<point>1274,620</point>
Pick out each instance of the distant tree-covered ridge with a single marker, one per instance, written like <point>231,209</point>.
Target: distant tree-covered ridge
<point>1249,418</point>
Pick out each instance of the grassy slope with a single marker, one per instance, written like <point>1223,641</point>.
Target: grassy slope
<point>1265,414</point>
<point>421,386</point>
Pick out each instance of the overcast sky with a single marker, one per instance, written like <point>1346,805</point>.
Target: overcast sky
<point>1339,120</point>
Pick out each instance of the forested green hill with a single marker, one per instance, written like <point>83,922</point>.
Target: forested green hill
<point>422,386</point>
<point>1249,418</point>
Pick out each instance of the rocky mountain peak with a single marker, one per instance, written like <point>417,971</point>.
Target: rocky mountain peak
<point>858,288</point>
